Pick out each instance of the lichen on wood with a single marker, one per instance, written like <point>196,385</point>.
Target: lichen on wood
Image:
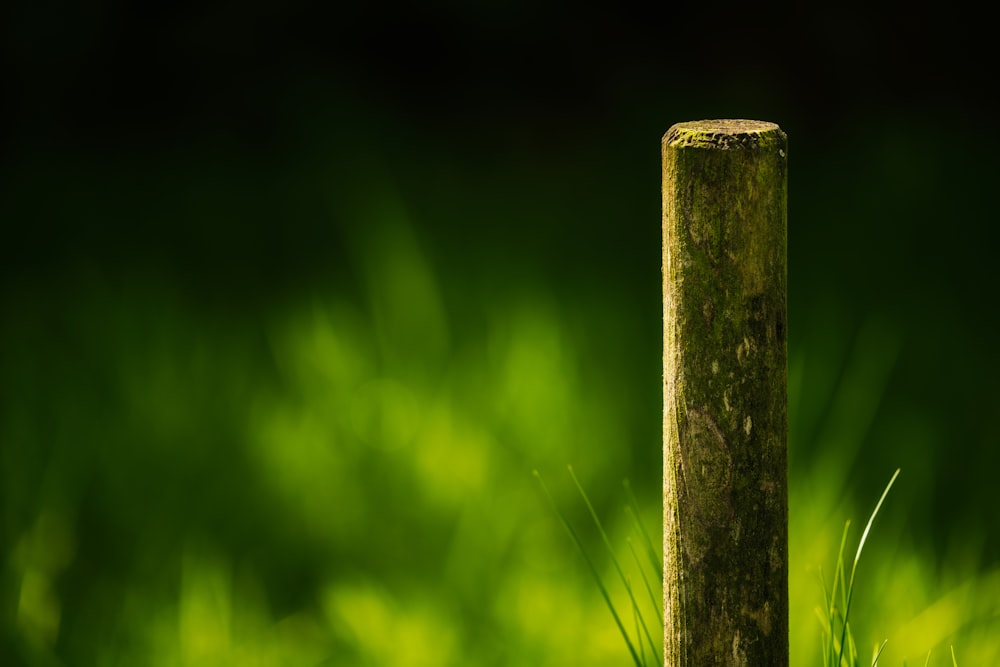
<point>725,415</point>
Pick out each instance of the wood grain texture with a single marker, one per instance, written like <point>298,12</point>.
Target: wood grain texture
<point>725,414</point>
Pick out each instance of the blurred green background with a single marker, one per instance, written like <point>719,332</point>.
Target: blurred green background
<point>295,299</point>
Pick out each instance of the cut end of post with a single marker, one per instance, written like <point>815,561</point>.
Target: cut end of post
<point>723,133</point>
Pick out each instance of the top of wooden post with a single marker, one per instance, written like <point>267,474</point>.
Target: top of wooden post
<point>723,134</point>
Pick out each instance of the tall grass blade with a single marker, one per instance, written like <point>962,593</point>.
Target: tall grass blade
<point>825,617</point>
<point>636,618</point>
<point>610,548</point>
<point>878,652</point>
<point>591,567</point>
<point>857,557</point>
<point>657,603</point>
<point>655,560</point>
<point>838,582</point>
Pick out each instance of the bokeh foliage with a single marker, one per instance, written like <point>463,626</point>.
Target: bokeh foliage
<point>284,335</point>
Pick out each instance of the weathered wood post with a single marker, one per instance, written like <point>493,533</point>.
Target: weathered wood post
<point>725,500</point>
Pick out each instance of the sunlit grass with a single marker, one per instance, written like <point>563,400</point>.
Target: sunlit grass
<point>843,651</point>
<point>907,606</point>
<point>309,483</point>
<point>642,638</point>
<point>376,477</point>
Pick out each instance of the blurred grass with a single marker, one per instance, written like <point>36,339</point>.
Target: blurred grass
<point>330,481</point>
<point>338,482</point>
<point>309,441</point>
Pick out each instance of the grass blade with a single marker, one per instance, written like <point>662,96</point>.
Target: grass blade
<point>878,652</point>
<point>610,548</point>
<point>655,560</point>
<point>657,603</point>
<point>637,619</point>
<point>825,617</point>
<point>838,581</point>
<point>857,557</point>
<point>591,567</point>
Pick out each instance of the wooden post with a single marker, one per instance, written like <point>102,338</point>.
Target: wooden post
<point>725,498</point>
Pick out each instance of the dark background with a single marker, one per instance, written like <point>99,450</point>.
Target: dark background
<point>175,182</point>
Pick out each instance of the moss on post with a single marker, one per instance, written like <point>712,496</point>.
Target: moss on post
<point>725,425</point>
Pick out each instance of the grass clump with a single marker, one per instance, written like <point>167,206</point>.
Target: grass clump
<point>839,647</point>
<point>642,639</point>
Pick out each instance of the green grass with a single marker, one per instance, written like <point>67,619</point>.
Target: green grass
<point>643,638</point>
<point>839,648</point>
<point>843,651</point>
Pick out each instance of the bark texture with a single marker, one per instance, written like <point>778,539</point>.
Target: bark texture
<point>725,492</point>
